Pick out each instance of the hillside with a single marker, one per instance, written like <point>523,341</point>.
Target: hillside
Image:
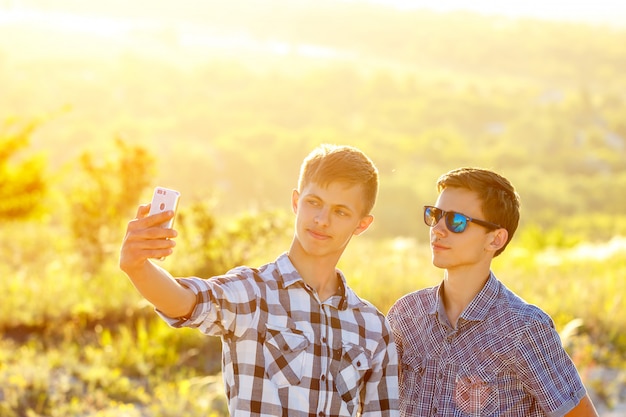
<point>424,92</point>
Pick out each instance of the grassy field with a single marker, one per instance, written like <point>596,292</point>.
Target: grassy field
<point>78,344</point>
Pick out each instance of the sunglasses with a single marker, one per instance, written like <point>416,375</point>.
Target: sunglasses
<point>455,222</point>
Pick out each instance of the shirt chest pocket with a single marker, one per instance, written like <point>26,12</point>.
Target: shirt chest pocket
<point>476,392</point>
<point>284,351</point>
<point>411,378</point>
<point>352,367</point>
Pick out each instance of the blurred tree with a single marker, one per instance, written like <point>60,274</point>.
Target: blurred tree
<point>103,198</point>
<point>22,183</point>
<point>213,247</point>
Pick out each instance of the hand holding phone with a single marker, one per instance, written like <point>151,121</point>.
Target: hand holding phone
<point>164,199</point>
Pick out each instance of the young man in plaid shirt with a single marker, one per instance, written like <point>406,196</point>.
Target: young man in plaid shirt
<point>470,346</point>
<point>296,340</point>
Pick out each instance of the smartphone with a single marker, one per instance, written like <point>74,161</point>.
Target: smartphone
<point>164,199</point>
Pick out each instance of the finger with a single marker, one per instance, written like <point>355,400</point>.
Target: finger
<point>160,219</point>
<point>148,245</point>
<point>162,249</point>
<point>134,253</point>
<point>147,239</point>
<point>142,211</point>
<point>161,252</point>
<point>148,229</point>
<point>148,222</point>
<point>156,232</point>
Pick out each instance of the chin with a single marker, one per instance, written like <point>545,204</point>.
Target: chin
<point>439,263</point>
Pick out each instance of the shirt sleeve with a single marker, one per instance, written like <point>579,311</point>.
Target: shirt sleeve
<point>381,394</point>
<point>224,305</point>
<point>547,371</point>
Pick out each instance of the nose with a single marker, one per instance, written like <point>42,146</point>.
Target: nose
<point>440,227</point>
<point>322,217</point>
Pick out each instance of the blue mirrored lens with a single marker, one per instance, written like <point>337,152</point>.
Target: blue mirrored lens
<point>456,222</point>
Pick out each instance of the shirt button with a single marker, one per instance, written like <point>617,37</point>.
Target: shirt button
<point>321,414</point>
<point>323,378</point>
<point>324,340</point>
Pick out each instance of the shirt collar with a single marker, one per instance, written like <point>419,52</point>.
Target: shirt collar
<point>438,304</point>
<point>481,304</point>
<point>478,308</point>
<point>290,275</point>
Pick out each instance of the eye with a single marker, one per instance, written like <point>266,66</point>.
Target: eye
<point>341,213</point>
<point>313,202</point>
<point>458,222</point>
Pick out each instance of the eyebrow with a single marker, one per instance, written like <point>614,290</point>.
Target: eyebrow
<point>342,206</point>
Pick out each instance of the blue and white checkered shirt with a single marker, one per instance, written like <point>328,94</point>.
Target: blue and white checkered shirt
<point>285,353</point>
<point>504,358</point>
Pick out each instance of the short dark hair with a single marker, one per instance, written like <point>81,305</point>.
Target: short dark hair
<point>500,202</point>
<point>330,163</point>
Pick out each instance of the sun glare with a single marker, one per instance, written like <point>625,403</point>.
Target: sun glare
<point>599,11</point>
<point>66,22</point>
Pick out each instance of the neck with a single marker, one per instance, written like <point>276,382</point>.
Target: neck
<point>459,289</point>
<point>319,272</point>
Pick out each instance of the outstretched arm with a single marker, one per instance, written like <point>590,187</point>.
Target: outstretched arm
<point>145,239</point>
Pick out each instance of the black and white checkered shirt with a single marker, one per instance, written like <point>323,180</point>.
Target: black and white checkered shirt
<point>285,353</point>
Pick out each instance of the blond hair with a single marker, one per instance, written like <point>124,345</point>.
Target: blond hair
<point>341,163</point>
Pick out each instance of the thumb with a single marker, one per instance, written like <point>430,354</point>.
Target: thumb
<point>142,211</point>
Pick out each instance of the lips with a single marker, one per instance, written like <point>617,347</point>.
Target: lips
<point>438,246</point>
<point>316,234</point>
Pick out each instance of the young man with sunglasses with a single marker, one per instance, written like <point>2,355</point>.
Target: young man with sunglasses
<point>470,346</point>
<point>296,340</point>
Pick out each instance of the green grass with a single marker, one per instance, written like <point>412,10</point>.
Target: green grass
<point>78,344</point>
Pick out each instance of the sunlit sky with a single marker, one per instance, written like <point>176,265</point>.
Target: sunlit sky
<point>116,19</point>
<point>597,11</point>
<point>86,19</point>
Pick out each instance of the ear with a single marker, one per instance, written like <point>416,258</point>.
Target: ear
<point>363,224</point>
<point>499,239</point>
<point>295,198</point>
